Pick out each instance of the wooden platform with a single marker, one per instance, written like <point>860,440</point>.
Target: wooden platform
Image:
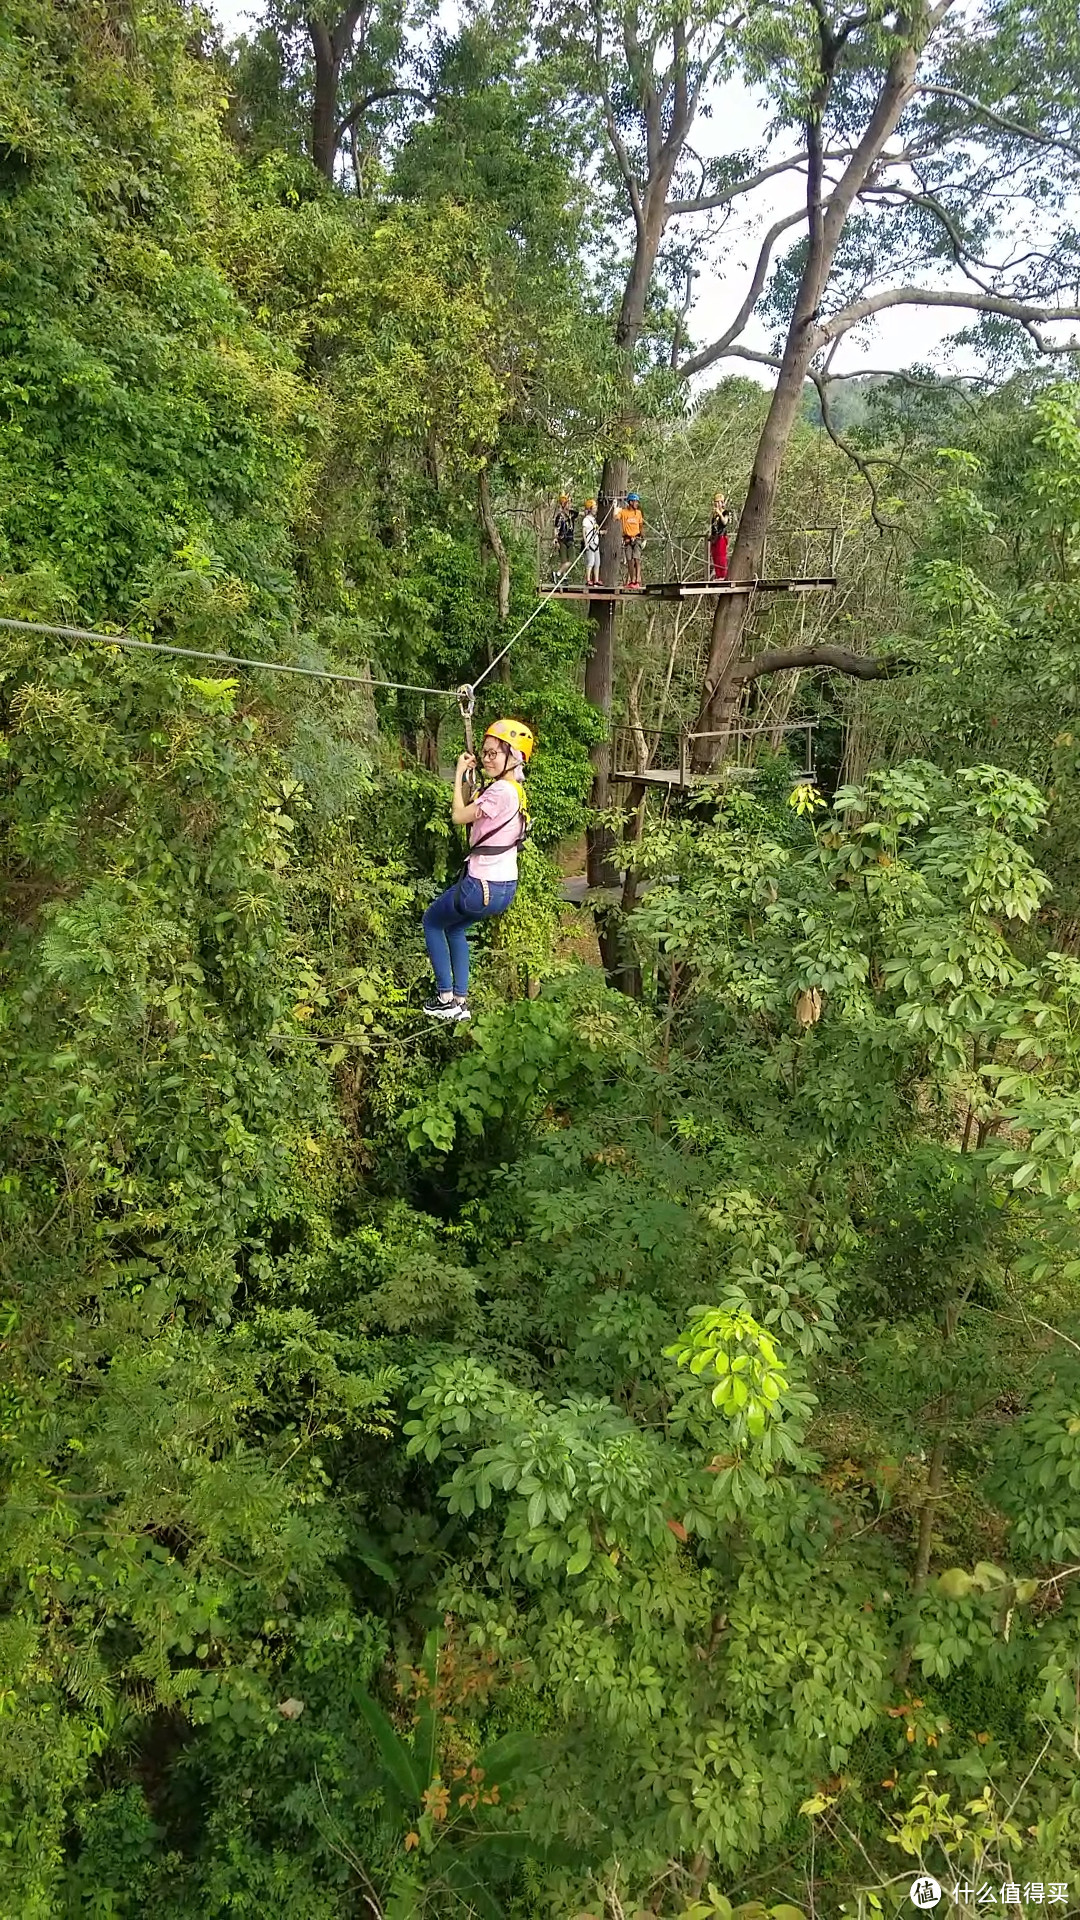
<point>688,589</point>
<point>720,589</point>
<point>552,592</point>
<point>673,777</point>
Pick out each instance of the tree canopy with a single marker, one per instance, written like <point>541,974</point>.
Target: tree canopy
<point>621,1457</point>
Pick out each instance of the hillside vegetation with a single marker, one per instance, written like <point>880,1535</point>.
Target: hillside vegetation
<point>621,1459</point>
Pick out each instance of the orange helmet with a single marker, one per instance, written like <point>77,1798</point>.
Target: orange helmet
<point>590,506</point>
<point>512,733</point>
<point>564,499</point>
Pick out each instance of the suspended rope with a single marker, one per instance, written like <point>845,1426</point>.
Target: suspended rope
<point>284,666</point>
<point>221,659</point>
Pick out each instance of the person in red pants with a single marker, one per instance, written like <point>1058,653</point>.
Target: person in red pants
<point>718,538</point>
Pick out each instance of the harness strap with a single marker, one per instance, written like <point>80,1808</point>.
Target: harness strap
<point>484,886</point>
<point>509,846</point>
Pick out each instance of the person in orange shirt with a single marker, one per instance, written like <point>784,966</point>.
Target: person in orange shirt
<point>632,521</point>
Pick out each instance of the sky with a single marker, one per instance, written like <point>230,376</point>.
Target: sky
<point>892,341</point>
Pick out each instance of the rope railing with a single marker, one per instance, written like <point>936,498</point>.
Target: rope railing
<point>789,553</point>
<point>793,553</point>
<point>669,750</point>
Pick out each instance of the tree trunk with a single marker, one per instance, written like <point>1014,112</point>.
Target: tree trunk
<point>329,45</point>
<point>826,219</point>
<point>934,1481</point>
<point>600,668</point>
<point>719,697</point>
<point>324,106</point>
<point>420,739</point>
<point>494,540</point>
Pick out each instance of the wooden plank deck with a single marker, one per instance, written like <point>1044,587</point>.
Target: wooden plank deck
<point>671,776</point>
<point>588,593</point>
<point>688,589</point>
<point>719,589</point>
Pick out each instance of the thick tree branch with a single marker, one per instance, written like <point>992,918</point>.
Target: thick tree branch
<point>850,26</point>
<point>494,540</point>
<point>706,203</point>
<point>895,93</point>
<point>321,42</point>
<point>641,72</point>
<point>680,323</point>
<point>1002,121</point>
<point>1021,310</point>
<point>739,352</point>
<point>618,145</point>
<point>720,347</point>
<point>704,74</point>
<point>858,666</point>
<point>680,119</point>
<point>342,37</point>
<point>373,99</point>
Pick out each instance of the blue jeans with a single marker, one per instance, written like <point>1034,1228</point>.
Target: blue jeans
<point>445,924</point>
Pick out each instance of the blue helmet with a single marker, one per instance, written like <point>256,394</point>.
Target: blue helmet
<point>632,497</point>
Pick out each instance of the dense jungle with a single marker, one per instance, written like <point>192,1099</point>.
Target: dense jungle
<point>620,1456</point>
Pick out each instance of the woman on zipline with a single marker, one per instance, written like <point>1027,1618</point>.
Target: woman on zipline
<point>498,822</point>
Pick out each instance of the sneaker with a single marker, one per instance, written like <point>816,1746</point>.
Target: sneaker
<point>437,1009</point>
<point>461,1011</point>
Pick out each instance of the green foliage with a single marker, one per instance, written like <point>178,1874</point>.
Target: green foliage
<point>145,417</point>
<point>517,1469</point>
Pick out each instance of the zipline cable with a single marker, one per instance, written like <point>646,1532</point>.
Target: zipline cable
<point>460,694</point>
<point>539,608</point>
<point>222,659</point>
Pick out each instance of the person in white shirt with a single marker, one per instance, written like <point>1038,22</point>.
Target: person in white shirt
<point>590,534</point>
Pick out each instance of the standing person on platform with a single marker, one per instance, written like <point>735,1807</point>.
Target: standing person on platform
<point>632,521</point>
<point>718,538</point>
<point>590,534</point>
<point>565,522</point>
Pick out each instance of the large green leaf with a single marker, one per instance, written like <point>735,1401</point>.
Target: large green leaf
<point>506,1758</point>
<point>426,1737</point>
<point>396,1756</point>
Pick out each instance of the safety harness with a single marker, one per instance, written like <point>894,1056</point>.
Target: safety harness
<point>523,829</point>
<point>466,699</point>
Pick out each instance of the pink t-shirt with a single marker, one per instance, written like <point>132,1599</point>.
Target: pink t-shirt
<point>496,814</point>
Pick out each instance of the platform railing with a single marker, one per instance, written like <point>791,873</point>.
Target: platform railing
<point>789,553</point>
<point>670,751</point>
<point>661,744</point>
<point>740,744</point>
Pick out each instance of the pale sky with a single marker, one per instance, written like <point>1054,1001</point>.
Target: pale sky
<point>892,340</point>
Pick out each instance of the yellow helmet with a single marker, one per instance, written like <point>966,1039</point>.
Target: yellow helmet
<point>513,733</point>
<point>590,506</point>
